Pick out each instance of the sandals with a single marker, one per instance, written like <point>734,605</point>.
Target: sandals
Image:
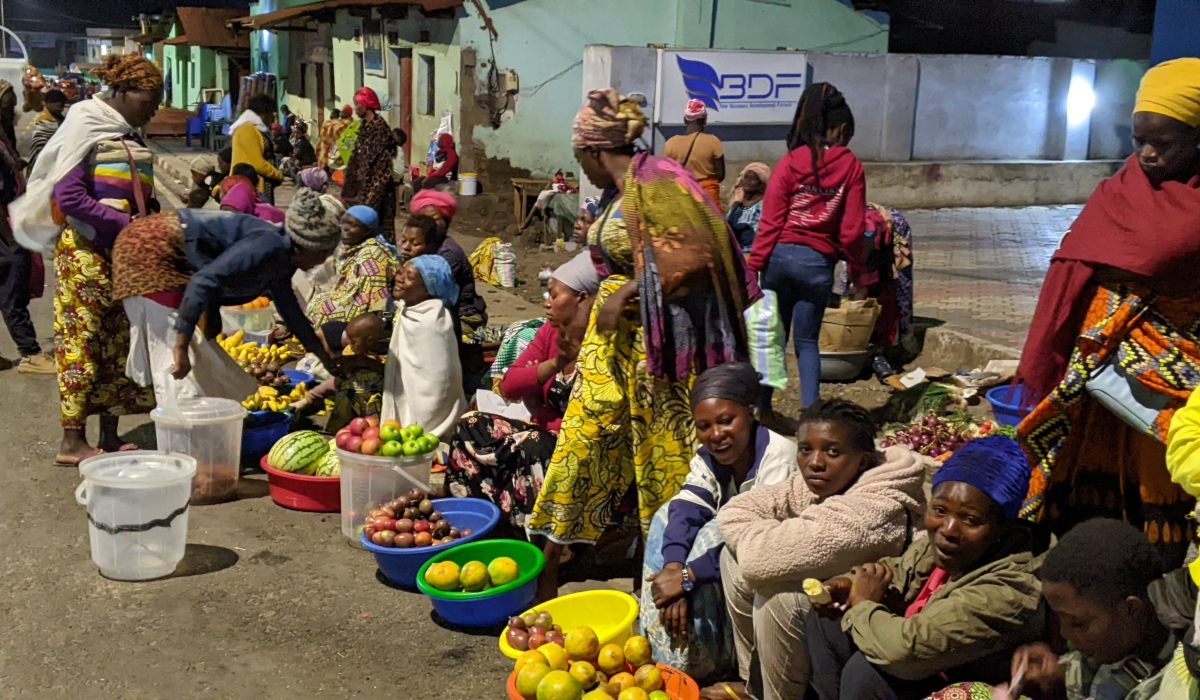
<point>73,462</point>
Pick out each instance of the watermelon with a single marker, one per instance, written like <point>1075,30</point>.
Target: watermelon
<point>328,465</point>
<point>298,452</point>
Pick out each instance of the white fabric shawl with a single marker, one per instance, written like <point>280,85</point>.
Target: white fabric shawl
<point>87,123</point>
<point>423,376</point>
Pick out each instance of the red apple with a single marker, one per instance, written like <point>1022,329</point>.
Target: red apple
<point>373,421</point>
<point>343,438</point>
<point>371,433</point>
<point>353,443</point>
<point>370,445</point>
<point>421,526</point>
<point>358,425</point>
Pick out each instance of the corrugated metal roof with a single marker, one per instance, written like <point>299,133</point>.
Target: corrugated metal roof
<point>208,27</point>
<point>274,19</point>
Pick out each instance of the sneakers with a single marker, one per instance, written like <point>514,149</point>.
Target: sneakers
<point>37,364</point>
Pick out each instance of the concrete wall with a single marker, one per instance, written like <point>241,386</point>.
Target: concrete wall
<point>204,73</point>
<point>543,40</point>
<point>796,24</point>
<point>1112,118</point>
<point>176,62</point>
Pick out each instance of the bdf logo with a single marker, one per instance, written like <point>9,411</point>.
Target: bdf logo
<point>739,90</point>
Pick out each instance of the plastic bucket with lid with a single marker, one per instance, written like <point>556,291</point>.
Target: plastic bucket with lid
<point>369,480</point>
<point>137,504</point>
<point>468,184</point>
<point>208,430</point>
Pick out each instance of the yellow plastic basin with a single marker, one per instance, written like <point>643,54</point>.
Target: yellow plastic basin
<point>609,613</point>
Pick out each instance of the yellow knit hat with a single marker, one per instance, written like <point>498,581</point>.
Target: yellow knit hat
<point>1172,88</point>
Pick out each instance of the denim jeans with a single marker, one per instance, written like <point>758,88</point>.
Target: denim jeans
<point>803,279</point>
<point>15,264</point>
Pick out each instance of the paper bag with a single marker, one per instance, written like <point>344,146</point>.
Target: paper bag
<point>848,328</point>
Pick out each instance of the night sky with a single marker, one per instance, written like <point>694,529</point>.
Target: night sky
<point>77,15</point>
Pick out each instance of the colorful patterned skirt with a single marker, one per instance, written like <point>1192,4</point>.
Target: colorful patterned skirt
<point>91,337</point>
<point>501,460</point>
<point>622,426</point>
<point>1087,462</point>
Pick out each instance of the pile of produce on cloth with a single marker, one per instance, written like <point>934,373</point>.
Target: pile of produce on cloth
<point>369,437</point>
<point>268,398</point>
<point>580,665</point>
<point>410,521</point>
<point>264,363</point>
<point>940,426</point>
<point>474,576</point>
<point>305,452</point>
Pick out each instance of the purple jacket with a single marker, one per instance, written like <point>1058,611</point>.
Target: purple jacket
<point>78,196</point>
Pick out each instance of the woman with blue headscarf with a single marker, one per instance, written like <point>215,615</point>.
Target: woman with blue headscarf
<point>365,270</point>
<point>423,375</point>
<point>954,606</point>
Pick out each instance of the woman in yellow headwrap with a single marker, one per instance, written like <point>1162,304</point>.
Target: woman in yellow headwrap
<point>1117,331</point>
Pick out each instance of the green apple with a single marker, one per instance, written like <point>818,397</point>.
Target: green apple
<point>392,448</point>
<point>411,447</point>
<point>390,431</point>
<point>412,432</point>
<point>429,443</point>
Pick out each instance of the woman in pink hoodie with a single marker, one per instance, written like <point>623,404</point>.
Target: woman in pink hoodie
<point>848,505</point>
<point>813,214</point>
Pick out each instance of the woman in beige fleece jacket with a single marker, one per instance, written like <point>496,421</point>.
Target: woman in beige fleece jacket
<point>848,505</point>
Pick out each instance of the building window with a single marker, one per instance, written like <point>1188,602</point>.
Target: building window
<point>425,87</point>
<point>103,49</point>
<point>358,70</point>
<point>303,80</point>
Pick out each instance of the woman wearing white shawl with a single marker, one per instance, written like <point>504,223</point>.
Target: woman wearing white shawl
<point>423,376</point>
<point>99,176</point>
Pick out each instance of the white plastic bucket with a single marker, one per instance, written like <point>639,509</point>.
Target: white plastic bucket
<point>137,504</point>
<point>234,319</point>
<point>369,480</point>
<point>468,184</point>
<point>210,431</point>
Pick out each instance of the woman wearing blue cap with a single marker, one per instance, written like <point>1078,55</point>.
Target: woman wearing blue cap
<point>365,270</point>
<point>423,375</point>
<point>954,606</point>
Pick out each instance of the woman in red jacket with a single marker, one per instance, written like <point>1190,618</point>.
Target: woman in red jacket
<point>813,214</point>
<point>502,459</point>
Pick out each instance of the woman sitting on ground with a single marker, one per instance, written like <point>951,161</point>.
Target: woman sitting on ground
<point>243,198</point>
<point>849,504</point>
<point>745,205</point>
<point>420,239</point>
<point>683,610</point>
<point>423,376</point>
<point>445,166</point>
<point>955,606</point>
<point>365,270</point>
<point>502,459</point>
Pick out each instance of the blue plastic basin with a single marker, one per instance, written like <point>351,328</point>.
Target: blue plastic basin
<point>257,441</point>
<point>1006,407</point>
<point>400,566</point>
<point>295,376</point>
<point>495,605</point>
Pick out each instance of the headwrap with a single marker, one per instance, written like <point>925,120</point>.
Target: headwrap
<point>438,278</point>
<point>732,381</point>
<point>607,121</point>
<point>444,202</point>
<point>996,465</point>
<point>347,111</point>
<point>129,72</point>
<point>240,197</point>
<point>368,216</point>
<point>1172,88</point>
<point>314,178</point>
<point>695,111</point>
<point>579,273</point>
<point>366,97</point>
<point>200,164</point>
<point>313,222</point>
<point>762,170</point>
<point>334,204</point>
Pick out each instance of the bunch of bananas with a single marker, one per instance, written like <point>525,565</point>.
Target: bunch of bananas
<point>268,398</point>
<point>247,354</point>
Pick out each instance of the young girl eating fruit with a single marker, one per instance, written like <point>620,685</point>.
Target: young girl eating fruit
<point>423,376</point>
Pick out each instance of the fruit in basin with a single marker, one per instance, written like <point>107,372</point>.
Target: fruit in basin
<point>648,678</point>
<point>621,682</point>
<point>611,659</point>
<point>633,694</point>
<point>584,672</point>
<point>473,577</point>
<point>529,678</point>
<point>502,570</point>
<point>659,695</point>
<point>390,431</point>
<point>582,644</point>
<point>637,651</point>
<point>598,694</point>
<point>559,685</point>
<point>443,576</point>
<point>555,656</point>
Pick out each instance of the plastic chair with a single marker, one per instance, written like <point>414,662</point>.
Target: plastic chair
<point>195,125</point>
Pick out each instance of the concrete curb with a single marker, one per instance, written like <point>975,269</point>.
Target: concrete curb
<point>954,350</point>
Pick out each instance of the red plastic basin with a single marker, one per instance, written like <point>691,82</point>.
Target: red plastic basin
<point>315,494</point>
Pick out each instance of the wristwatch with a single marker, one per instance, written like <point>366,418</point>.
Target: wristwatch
<point>688,584</point>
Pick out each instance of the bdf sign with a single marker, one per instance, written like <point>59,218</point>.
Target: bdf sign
<point>738,87</point>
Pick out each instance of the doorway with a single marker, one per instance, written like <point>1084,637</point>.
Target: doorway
<point>400,79</point>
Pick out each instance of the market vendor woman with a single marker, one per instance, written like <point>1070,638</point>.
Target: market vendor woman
<point>172,269</point>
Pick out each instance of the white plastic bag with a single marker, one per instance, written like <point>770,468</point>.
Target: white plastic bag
<point>764,331</point>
